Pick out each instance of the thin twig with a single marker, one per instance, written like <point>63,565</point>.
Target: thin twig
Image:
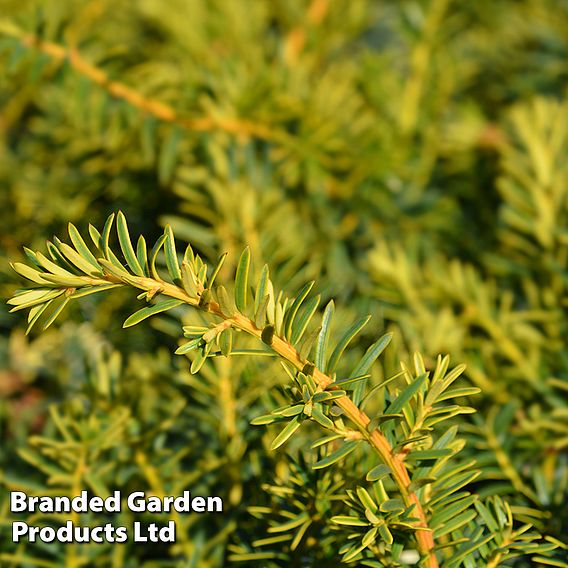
<point>119,90</point>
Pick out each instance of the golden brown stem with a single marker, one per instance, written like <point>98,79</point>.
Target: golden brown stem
<point>145,104</point>
<point>376,439</point>
<point>361,420</point>
<point>296,38</point>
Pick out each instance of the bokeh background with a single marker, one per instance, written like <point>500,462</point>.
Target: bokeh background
<point>411,156</point>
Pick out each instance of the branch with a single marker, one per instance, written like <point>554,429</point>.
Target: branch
<point>161,111</point>
<point>377,440</point>
<point>75,272</point>
<point>296,38</point>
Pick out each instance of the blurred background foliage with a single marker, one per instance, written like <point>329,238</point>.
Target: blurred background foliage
<point>411,156</point>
